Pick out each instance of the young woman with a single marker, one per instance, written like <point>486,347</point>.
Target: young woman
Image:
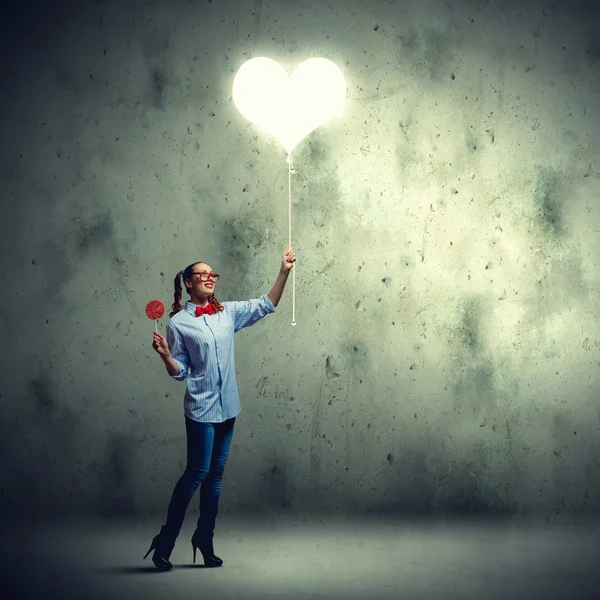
<point>200,340</point>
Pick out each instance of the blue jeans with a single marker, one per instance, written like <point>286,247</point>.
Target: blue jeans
<point>207,451</point>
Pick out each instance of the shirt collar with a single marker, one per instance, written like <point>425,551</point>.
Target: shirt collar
<point>190,307</point>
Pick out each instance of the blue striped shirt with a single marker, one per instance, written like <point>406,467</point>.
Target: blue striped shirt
<point>203,347</point>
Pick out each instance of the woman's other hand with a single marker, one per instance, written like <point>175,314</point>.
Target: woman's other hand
<point>288,259</point>
<point>159,343</point>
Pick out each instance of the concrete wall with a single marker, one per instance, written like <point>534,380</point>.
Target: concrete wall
<point>447,352</point>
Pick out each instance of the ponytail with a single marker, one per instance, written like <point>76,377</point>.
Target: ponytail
<point>217,307</point>
<point>176,306</point>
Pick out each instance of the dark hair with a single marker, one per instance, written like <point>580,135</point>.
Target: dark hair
<point>187,274</point>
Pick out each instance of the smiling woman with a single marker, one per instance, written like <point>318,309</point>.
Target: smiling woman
<point>199,347</point>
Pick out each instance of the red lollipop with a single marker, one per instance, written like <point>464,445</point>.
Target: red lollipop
<point>155,309</point>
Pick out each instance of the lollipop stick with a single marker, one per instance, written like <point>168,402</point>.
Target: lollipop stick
<point>155,326</point>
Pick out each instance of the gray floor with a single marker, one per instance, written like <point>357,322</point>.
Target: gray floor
<point>308,558</point>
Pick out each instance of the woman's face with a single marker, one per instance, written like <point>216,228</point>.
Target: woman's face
<point>198,287</point>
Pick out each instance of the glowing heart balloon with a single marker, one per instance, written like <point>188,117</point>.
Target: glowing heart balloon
<point>289,108</point>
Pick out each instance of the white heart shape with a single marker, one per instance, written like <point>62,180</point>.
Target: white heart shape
<point>289,108</point>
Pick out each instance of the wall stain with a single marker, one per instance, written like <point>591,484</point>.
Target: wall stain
<point>330,372</point>
<point>593,47</point>
<point>94,234</point>
<point>262,386</point>
<point>275,489</point>
<point>317,184</point>
<point>549,200</point>
<point>117,495</point>
<point>159,85</point>
<point>429,52</point>
<point>315,442</point>
<point>40,478</point>
<point>407,487</point>
<point>473,145</point>
<point>44,402</point>
<point>474,392</point>
<point>467,334</point>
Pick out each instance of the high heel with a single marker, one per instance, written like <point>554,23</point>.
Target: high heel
<point>160,558</point>
<point>207,551</point>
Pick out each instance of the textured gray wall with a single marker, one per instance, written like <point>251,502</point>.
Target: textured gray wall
<point>446,356</point>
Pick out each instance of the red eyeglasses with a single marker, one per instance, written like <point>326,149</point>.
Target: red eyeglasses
<point>204,276</point>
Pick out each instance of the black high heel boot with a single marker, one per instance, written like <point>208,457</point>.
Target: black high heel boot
<point>208,553</point>
<point>162,551</point>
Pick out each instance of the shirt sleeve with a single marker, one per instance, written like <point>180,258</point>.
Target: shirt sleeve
<point>178,352</point>
<point>248,312</point>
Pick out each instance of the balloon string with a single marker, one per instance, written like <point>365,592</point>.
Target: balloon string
<point>290,170</point>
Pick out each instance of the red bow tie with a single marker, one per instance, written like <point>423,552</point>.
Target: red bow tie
<point>207,310</point>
